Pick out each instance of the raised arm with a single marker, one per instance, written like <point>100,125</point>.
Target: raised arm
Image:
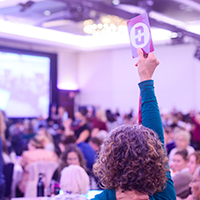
<point>149,107</point>
<point>150,112</point>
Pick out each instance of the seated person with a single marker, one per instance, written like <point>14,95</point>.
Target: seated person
<point>169,139</point>
<point>95,143</point>
<point>79,127</point>
<point>48,139</point>
<point>74,179</point>
<point>193,161</point>
<point>99,123</point>
<point>183,177</point>
<point>182,141</point>
<point>86,149</point>
<point>35,152</point>
<point>74,182</point>
<point>71,156</point>
<point>194,185</point>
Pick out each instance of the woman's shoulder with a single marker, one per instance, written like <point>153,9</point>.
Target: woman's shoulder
<point>38,154</point>
<point>67,196</point>
<point>106,195</point>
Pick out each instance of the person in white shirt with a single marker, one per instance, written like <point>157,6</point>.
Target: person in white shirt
<point>182,141</point>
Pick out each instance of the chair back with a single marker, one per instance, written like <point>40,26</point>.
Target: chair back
<point>45,167</point>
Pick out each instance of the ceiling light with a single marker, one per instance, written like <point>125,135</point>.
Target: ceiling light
<point>48,36</point>
<point>150,2</point>
<point>116,2</point>
<point>47,12</point>
<point>29,33</point>
<point>177,38</point>
<point>174,35</point>
<point>108,25</point>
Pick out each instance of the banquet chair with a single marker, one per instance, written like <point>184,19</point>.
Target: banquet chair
<point>45,167</point>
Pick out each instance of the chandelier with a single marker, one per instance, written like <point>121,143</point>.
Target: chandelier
<point>109,24</point>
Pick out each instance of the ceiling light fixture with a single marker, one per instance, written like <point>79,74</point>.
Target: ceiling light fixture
<point>47,12</point>
<point>29,33</point>
<point>177,38</point>
<point>108,25</point>
<point>116,2</point>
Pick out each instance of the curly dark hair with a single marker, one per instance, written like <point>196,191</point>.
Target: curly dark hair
<point>132,158</point>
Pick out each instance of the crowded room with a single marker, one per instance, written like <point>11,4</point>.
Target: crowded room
<point>99,99</point>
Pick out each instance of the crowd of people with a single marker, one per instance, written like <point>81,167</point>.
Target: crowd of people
<point>156,159</point>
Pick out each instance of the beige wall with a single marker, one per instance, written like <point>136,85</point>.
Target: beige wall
<point>109,78</point>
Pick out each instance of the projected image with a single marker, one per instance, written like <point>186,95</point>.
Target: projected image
<point>24,85</point>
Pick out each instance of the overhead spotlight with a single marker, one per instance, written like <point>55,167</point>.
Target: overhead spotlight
<point>197,53</point>
<point>177,38</point>
<point>47,12</point>
<point>174,35</point>
<point>116,2</point>
<point>150,2</point>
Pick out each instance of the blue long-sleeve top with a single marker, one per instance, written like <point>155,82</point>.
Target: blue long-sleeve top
<point>150,119</point>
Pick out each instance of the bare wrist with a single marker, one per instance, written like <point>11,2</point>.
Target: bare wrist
<point>144,78</point>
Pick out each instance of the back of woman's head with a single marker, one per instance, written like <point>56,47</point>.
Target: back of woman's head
<point>132,158</point>
<point>74,179</point>
<point>37,141</point>
<point>70,139</point>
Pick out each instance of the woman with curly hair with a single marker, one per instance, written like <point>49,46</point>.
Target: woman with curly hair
<point>132,162</point>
